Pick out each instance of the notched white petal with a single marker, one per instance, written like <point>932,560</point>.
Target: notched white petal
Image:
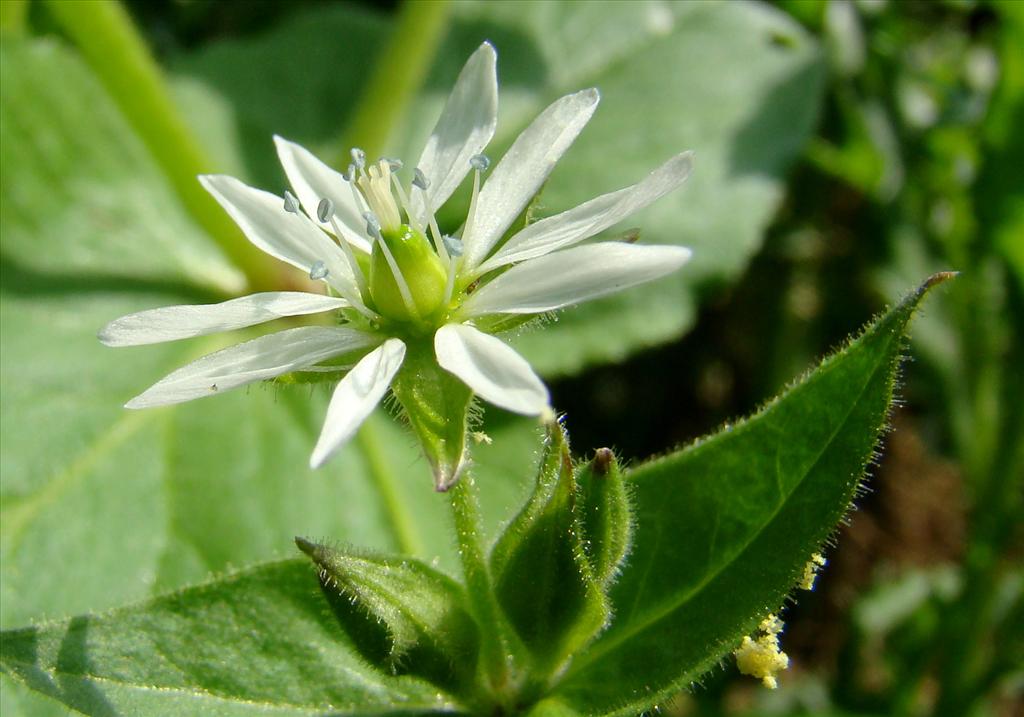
<point>292,238</point>
<point>573,276</point>
<point>491,368</point>
<point>465,127</point>
<point>266,357</point>
<point>170,323</point>
<point>356,396</point>
<point>523,169</point>
<point>313,181</point>
<point>586,220</point>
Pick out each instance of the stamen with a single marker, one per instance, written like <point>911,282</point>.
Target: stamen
<point>291,204</point>
<point>449,287</point>
<point>325,210</point>
<point>318,270</point>
<point>359,200</point>
<point>373,229</point>
<point>453,245</point>
<point>395,164</point>
<point>421,182</point>
<point>358,157</point>
<point>419,179</point>
<point>325,213</point>
<point>350,175</point>
<point>372,225</point>
<point>479,163</point>
<point>350,256</point>
<point>404,201</point>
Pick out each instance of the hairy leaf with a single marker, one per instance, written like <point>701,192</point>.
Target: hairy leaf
<point>725,527</point>
<point>255,642</point>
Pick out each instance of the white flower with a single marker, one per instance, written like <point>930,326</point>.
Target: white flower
<point>364,235</point>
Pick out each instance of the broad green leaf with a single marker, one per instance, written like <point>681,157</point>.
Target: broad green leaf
<point>254,642</point>
<point>74,172</point>
<point>402,616</point>
<point>725,527</point>
<point>542,577</point>
<point>129,503</point>
<point>672,76</point>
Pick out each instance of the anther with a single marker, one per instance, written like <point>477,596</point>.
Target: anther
<point>372,225</point>
<point>318,270</point>
<point>291,204</point>
<point>480,162</point>
<point>452,244</point>
<point>358,157</point>
<point>419,179</point>
<point>350,175</point>
<point>395,164</point>
<point>325,210</point>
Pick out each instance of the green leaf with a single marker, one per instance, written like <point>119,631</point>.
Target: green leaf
<point>542,577</point>
<point>725,527</point>
<point>402,615</point>
<point>254,642</point>
<point>91,231</point>
<point>671,79</point>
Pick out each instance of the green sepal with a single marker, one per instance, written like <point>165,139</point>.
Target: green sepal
<point>400,614</point>
<point>542,577</point>
<point>436,405</point>
<point>604,514</point>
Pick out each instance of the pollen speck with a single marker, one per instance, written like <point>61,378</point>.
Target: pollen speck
<point>761,657</point>
<point>816,563</point>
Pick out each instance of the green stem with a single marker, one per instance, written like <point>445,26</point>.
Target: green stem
<point>13,15</point>
<point>397,75</point>
<point>398,514</point>
<point>476,572</point>
<point>113,48</point>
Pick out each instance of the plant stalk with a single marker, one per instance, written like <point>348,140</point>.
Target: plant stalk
<point>110,43</point>
<point>398,74</point>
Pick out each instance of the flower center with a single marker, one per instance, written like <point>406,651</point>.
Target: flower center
<point>410,278</point>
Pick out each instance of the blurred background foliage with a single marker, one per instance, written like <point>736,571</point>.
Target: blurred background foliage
<point>846,149</point>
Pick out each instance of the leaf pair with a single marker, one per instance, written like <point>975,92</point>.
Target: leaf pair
<point>721,533</point>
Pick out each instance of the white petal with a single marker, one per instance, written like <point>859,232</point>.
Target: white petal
<point>292,238</point>
<point>523,169</point>
<point>586,220</point>
<point>256,360</point>
<point>171,323</point>
<point>573,276</point>
<point>491,368</point>
<point>356,396</point>
<point>465,127</point>
<point>312,181</point>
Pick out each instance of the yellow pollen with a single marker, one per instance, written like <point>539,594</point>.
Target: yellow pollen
<point>816,563</point>
<point>761,657</point>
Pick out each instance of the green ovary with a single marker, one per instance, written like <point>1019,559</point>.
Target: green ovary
<point>421,269</point>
